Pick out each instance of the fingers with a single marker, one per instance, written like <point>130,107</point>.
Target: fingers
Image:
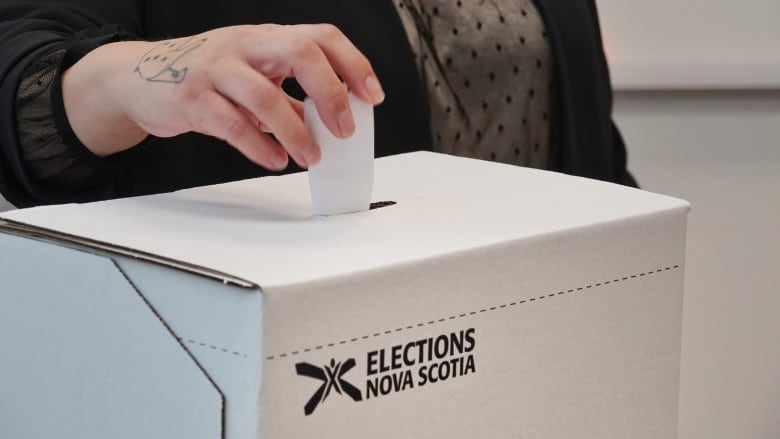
<point>214,115</point>
<point>296,105</point>
<point>270,106</point>
<point>298,56</point>
<point>314,54</point>
<point>239,94</point>
<point>346,60</point>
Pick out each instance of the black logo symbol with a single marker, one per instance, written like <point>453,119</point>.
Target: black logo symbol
<point>332,377</point>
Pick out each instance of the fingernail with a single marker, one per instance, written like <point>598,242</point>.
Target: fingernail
<point>279,159</point>
<point>346,123</point>
<point>311,155</point>
<point>374,89</point>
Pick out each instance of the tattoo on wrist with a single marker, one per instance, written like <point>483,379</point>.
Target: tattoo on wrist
<point>163,63</point>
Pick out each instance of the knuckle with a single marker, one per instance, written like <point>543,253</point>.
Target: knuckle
<point>304,48</point>
<point>336,96</point>
<point>263,98</point>
<point>269,27</point>
<point>243,32</point>
<point>189,92</point>
<point>299,140</point>
<point>330,32</point>
<point>359,63</point>
<point>234,126</point>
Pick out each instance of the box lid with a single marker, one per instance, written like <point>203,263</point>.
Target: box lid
<point>261,231</point>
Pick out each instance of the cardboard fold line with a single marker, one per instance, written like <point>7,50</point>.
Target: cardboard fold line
<point>178,340</point>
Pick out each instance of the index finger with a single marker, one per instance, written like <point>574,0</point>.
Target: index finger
<point>347,61</point>
<point>290,53</point>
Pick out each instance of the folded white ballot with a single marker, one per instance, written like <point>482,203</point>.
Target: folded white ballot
<point>343,179</point>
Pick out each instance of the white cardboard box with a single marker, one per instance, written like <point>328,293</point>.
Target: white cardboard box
<point>491,301</point>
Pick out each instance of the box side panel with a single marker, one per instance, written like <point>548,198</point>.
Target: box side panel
<point>83,356</point>
<point>220,325</point>
<point>570,335</point>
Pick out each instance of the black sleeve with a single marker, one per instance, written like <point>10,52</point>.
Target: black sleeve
<point>622,175</point>
<point>589,143</point>
<point>41,160</point>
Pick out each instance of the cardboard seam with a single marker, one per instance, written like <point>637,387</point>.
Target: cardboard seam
<point>91,251</point>
<point>178,341</point>
<point>212,347</point>
<point>41,233</point>
<point>484,310</point>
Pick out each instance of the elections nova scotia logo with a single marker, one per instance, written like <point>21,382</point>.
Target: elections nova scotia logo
<point>332,377</point>
<point>394,369</point>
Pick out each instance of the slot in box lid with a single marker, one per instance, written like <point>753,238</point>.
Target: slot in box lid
<point>261,232</point>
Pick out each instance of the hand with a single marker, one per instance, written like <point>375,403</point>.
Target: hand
<point>225,83</point>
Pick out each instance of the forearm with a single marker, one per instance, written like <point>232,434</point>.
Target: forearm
<point>41,160</point>
<point>224,83</point>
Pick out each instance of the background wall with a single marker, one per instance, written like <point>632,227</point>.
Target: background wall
<point>692,43</point>
<point>719,150</point>
<point>698,101</point>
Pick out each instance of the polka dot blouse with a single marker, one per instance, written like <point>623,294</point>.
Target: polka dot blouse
<point>486,68</point>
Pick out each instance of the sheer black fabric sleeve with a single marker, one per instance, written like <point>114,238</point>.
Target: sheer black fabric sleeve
<point>41,160</point>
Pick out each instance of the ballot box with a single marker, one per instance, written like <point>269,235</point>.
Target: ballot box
<point>475,300</point>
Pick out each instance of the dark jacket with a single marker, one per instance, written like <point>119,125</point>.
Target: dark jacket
<point>588,143</point>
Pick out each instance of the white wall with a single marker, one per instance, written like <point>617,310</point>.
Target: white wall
<point>698,102</point>
<point>692,43</point>
<point>720,151</point>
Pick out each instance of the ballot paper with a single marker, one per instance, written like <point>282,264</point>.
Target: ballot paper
<point>343,179</point>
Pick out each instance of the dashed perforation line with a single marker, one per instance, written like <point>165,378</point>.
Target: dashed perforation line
<point>490,309</point>
<point>212,347</point>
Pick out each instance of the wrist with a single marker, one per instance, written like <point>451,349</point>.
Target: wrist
<point>97,91</point>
